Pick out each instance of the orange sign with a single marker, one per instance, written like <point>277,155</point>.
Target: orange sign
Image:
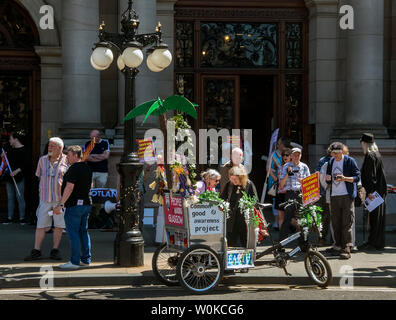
<point>310,189</point>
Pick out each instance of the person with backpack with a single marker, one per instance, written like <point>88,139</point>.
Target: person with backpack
<point>342,175</point>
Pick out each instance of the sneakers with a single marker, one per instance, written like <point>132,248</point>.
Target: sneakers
<point>69,265</point>
<point>55,254</point>
<point>345,254</point>
<point>34,255</point>
<point>8,221</point>
<point>22,222</point>
<point>84,264</point>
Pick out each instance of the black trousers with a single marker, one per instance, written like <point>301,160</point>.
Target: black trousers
<point>238,236</point>
<point>325,217</point>
<point>290,213</point>
<point>377,227</point>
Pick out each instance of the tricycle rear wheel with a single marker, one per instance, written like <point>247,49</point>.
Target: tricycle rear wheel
<point>199,269</point>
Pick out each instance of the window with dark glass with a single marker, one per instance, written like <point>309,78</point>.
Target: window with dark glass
<point>15,31</point>
<point>294,45</point>
<point>184,47</point>
<point>239,45</point>
<point>219,103</point>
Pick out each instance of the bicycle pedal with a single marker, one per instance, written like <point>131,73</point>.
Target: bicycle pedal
<point>287,273</point>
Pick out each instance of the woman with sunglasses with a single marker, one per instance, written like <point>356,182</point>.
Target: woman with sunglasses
<point>280,196</point>
<point>210,179</point>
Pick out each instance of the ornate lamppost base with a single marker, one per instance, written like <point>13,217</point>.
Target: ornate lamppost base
<point>129,243</point>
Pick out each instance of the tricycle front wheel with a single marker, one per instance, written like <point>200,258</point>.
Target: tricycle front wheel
<point>164,265</point>
<point>199,269</point>
<point>318,268</point>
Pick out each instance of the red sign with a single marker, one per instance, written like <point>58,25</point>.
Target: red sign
<point>173,210</point>
<point>310,189</point>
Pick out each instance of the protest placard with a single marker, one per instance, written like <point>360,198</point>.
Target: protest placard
<point>310,189</point>
<point>173,206</point>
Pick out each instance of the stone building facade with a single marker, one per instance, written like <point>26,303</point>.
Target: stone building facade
<point>347,77</point>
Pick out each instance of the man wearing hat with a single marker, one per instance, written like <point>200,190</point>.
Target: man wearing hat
<point>290,180</point>
<point>373,180</point>
<point>342,174</point>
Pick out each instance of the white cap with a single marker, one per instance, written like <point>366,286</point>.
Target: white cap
<point>296,150</point>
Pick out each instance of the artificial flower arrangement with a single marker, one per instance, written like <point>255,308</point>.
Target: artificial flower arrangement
<point>310,217</point>
<point>247,205</point>
<point>214,198</point>
<point>160,181</point>
<point>181,181</point>
<point>252,215</point>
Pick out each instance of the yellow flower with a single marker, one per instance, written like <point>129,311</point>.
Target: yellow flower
<point>152,185</point>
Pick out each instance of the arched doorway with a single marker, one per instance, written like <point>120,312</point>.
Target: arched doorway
<point>19,85</point>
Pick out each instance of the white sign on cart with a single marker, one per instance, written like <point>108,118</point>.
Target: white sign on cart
<point>205,219</point>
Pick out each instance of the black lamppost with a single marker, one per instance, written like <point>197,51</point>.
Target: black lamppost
<point>129,243</point>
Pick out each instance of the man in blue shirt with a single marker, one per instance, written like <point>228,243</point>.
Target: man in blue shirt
<point>98,163</point>
<point>98,160</point>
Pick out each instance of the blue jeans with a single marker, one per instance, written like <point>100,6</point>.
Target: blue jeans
<point>12,194</point>
<point>76,220</point>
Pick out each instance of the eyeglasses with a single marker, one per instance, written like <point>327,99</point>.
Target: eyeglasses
<point>286,155</point>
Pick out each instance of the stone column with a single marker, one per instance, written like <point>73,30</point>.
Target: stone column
<point>81,82</point>
<point>51,91</point>
<point>364,96</point>
<point>323,24</point>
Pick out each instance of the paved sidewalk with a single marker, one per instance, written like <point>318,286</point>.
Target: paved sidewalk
<point>369,268</point>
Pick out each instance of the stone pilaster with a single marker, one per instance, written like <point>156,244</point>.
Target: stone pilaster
<point>364,72</point>
<point>323,98</point>
<point>51,87</point>
<point>81,82</point>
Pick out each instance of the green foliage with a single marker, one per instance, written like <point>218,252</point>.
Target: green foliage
<point>247,204</point>
<point>311,217</point>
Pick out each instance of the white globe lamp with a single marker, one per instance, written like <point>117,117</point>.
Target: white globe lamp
<point>102,57</point>
<point>120,63</point>
<point>95,66</point>
<point>132,55</point>
<point>150,63</point>
<point>161,56</point>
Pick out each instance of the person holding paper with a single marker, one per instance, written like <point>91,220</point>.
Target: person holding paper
<point>373,180</point>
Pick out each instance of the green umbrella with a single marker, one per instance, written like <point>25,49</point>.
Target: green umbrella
<point>159,107</point>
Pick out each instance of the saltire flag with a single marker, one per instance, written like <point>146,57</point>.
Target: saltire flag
<point>146,150</point>
<point>88,150</point>
<point>3,165</point>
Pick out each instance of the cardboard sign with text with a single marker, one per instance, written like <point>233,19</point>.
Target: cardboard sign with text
<point>173,206</point>
<point>310,189</point>
<point>205,219</point>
